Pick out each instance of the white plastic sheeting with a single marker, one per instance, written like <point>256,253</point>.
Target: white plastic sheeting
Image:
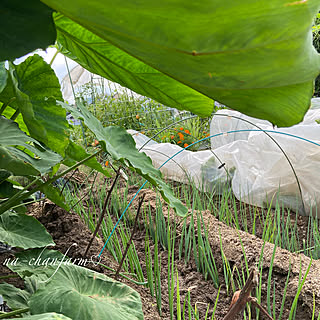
<point>255,166</point>
<point>81,77</point>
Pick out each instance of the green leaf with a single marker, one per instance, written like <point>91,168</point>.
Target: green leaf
<point>3,76</point>
<point>33,264</point>
<point>4,174</point>
<point>54,194</point>
<point>75,153</point>
<point>121,146</point>
<point>64,284</point>
<point>20,230</point>
<point>103,58</point>
<point>9,112</point>
<point>256,57</point>
<point>22,102</point>
<point>36,88</point>
<point>96,296</point>
<point>47,316</point>
<point>7,190</point>
<point>24,27</point>
<point>33,160</point>
<point>14,297</point>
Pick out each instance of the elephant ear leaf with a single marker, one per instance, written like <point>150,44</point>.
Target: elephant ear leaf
<point>32,89</point>
<point>121,146</point>
<point>24,27</point>
<point>256,57</point>
<point>23,231</point>
<point>21,154</point>
<point>95,294</point>
<point>102,57</point>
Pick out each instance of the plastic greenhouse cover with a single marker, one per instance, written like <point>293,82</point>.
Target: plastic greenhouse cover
<point>255,166</point>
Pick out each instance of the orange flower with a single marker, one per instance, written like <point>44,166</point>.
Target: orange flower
<point>187,131</point>
<point>208,134</point>
<point>137,117</point>
<point>179,142</point>
<point>204,131</point>
<point>96,142</point>
<point>172,137</point>
<point>185,145</point>
<point>181,136</point>
<point>181,128</point>
<point>106,163</point>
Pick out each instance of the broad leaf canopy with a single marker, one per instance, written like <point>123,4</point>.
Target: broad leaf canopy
<point>253,56</point>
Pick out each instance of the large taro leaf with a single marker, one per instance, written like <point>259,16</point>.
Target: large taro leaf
<point>21,230</point>
<point>26,160</point>
<point>121,146</point>
<point>96,296</point>
<point>253,56</point>
<point>24,27</point>
<point>36,88</point>
<point>101,57</point>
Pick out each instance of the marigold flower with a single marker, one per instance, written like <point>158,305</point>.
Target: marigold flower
<point>185,145</point>
<point>181,129</point>
<point>187,131</point>
<point>106,163</point>
<point>172,137</point>
<point>137,117</point>
<point>208,134</point>
<point>179,142</point>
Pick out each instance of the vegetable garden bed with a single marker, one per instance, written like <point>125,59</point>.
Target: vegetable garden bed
<point>186,275</point>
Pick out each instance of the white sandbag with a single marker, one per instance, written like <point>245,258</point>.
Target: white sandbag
<point>259,170</point>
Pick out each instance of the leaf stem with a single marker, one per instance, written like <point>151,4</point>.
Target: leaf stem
<point>13,313</point>
<point>16,200</point>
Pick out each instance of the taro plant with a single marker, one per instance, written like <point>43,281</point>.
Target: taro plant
<point>252,58</point>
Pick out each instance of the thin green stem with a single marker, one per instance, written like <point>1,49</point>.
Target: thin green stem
<point>53,58</point>
<point>13,313</point>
